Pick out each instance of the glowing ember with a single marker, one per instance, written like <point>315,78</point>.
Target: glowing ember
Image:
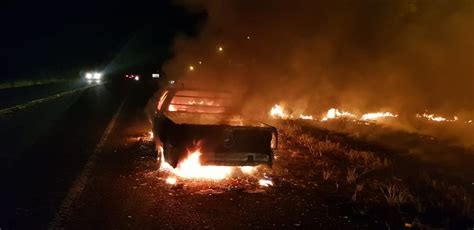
<point>150,134</point>
<point>171,180</point>
<point>306,117</point>
<point>277,112</point>
<point>375,116</point>
<point>265,182</point>
<point>335,113</point>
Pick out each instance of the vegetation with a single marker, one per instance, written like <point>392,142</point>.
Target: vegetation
<point>370,179</point>
<point>26,83</point>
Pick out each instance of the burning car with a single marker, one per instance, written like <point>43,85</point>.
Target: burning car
<point>186,118</point>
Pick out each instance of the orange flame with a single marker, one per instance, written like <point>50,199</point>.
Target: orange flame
<point>191,168</point>
<point>378,115</point>
<point>277,111</point>
<point>433,117</point>
<point>306,117</point>
<point>265,182</point>
<point>335,113</point>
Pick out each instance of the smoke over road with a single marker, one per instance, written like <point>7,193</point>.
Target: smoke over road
<point>405,56</point>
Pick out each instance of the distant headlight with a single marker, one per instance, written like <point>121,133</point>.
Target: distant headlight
<point>88,76</point>
<point>137,78</point>
<point>97,75</point>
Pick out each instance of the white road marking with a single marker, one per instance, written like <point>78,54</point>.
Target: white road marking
<point>74,193</point>
<point>41,100</point>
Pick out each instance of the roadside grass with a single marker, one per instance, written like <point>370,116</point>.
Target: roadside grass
<point>370,179</point>
<point>395,194</point>
<point>31,82</point>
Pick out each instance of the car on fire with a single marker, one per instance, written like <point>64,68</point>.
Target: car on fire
<point>188,117</point>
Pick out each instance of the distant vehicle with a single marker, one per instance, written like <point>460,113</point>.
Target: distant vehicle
<point>93,77</point>
<point>186,115</point>
<point>135,77</point>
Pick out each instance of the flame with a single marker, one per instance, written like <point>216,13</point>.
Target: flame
<point>306,117</point>
<point>375,116</point>
<point>171,180</point>
<point>265,182</point>
<point>433,117</point>
<point>277,112</point>
<point>191,168</point>
<point>248,169</point>
<point>335,113</point>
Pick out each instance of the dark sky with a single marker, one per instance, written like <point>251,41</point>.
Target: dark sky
<point>48,38</point>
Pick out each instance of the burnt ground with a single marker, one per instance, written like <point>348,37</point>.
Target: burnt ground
<point>312,187</point>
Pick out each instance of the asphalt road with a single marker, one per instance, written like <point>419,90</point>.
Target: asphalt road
<point>45,146</point>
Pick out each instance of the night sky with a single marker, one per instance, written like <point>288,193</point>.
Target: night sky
<point>59,39</point>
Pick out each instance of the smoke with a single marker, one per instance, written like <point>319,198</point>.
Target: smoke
<point>405,56</point>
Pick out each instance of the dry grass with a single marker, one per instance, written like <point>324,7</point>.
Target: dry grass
<point>327,173</point>
<point>366,171</point>
<point>308,142</point>
<point>357,189</point>
<point>352,175</point>
<point>395,194</point>
<point>453,197</point>
<point>365,161</point>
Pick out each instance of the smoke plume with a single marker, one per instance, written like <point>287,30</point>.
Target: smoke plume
<point>405,56</point>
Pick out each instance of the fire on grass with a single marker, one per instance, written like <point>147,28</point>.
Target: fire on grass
<point>433,117</point>
<point>190,168</point>
<point>280,112</point>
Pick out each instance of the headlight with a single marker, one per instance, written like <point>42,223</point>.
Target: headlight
<point>97,75</point>
<point>88,76</point>
<point>137,78</point>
